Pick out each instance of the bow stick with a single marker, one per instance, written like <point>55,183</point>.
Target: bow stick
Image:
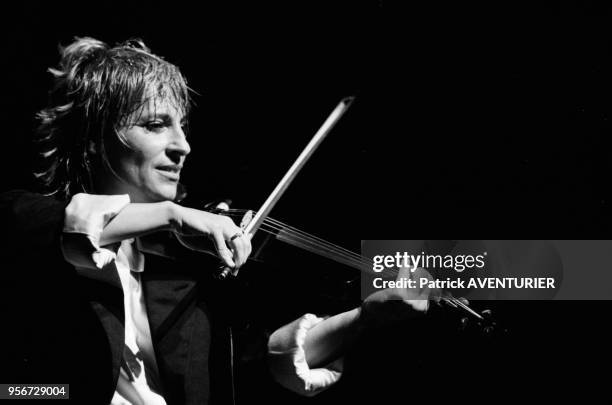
<point>273,198</point>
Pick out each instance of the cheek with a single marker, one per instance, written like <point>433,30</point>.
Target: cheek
<point>133,163</point>
<point>135,167</point>
<point>142,158</point>
<point>136,163</point>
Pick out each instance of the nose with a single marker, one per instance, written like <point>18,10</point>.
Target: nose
<point>178,146</point>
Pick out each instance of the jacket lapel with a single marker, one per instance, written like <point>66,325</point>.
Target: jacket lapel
<point>104,293</point>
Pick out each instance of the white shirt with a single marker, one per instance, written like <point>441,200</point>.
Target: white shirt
<point>87,215</point>
<point>133,388</point>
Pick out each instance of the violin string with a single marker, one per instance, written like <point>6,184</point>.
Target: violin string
<point>313,241</point>
<point>394,272</point>
<point>277,226</point>
<point>360,262</point>
<point>289,230</point>
<point>363,263</point>
<point>314,247</point>
<point>315,238</point>
<point>332,251</point>
<point>317,245</point>
<point>310,242</point>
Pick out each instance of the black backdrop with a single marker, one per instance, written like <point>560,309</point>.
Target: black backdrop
<point>471,121</point>
<point>468,118</point>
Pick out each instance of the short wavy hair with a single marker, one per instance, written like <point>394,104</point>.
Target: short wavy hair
<point>96,90</point>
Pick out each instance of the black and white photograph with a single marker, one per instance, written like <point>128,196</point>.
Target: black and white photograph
<point>228,203</point>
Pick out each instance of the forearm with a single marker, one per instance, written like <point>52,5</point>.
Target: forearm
<point>139,219</point>
<point>300,353</point>
<point>330,338</point>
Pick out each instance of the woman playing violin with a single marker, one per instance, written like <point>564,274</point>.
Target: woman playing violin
<point>121,321</point>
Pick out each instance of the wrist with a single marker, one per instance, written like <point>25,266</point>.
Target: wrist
<point>173,215</point>
<point>367,318</point>
<point>358,323</point>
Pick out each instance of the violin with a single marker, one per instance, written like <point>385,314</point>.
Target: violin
<point>287,234</point>
<point>254,221</point>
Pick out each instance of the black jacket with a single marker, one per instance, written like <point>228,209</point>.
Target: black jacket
<point>64,326</point>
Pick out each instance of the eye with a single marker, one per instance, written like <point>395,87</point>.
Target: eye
<point>185,128</point>
<point>155,126</point>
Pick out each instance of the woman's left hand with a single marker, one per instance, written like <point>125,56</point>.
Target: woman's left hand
<point>397,304</point>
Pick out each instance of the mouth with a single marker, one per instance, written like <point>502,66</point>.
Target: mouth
<point>171,172</point>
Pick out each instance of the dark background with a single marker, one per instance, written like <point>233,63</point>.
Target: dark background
<point>471,121</point>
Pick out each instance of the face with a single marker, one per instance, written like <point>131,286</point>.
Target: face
<point>148,167</point>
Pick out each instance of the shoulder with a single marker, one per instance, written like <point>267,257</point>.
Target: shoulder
<point>23,205</point>
<point>35,216</point>
<point>28,198</point>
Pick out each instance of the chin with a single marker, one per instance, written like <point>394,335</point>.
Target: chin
<point>166,193</point>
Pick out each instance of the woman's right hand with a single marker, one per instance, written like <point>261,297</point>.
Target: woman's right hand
<point>232,244</point>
